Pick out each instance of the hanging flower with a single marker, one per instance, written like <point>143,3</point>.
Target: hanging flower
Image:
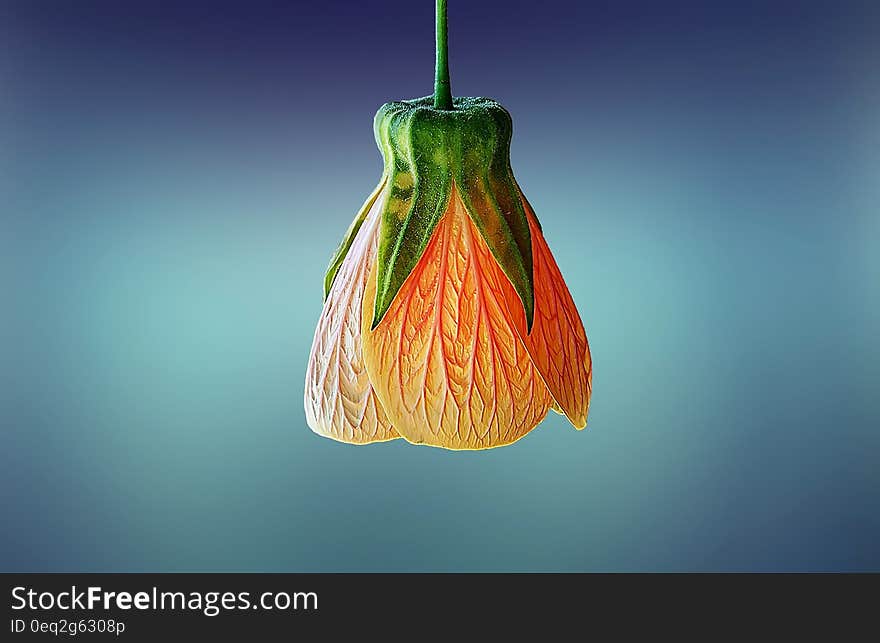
<point>446,320</point>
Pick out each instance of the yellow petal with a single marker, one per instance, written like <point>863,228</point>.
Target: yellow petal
<point>446,361</point>
<point>557,344</point>
<point>339,401</point>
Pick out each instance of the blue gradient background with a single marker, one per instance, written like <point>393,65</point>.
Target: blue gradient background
<point>174,179</point>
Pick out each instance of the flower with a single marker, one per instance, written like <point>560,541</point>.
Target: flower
<point>446,320</point>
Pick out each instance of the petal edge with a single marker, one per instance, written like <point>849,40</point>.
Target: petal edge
<point>557,342</point>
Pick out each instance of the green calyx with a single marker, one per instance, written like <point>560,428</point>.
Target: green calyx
<point>427,149</point>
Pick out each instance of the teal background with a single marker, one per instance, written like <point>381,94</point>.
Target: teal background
<point>175,179</point>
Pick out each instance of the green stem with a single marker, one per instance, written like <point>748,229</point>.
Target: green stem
<point>442,89</point>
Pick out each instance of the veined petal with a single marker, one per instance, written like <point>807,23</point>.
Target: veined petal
<point>446,361</point>
<point>339,401</point>
<point>557,343</point>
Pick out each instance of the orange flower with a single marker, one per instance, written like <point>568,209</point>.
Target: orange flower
<point>446,319</point>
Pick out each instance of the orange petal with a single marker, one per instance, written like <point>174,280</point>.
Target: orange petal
<point>446,361</point>
<point>339,401</point>
<point>557,344</point>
